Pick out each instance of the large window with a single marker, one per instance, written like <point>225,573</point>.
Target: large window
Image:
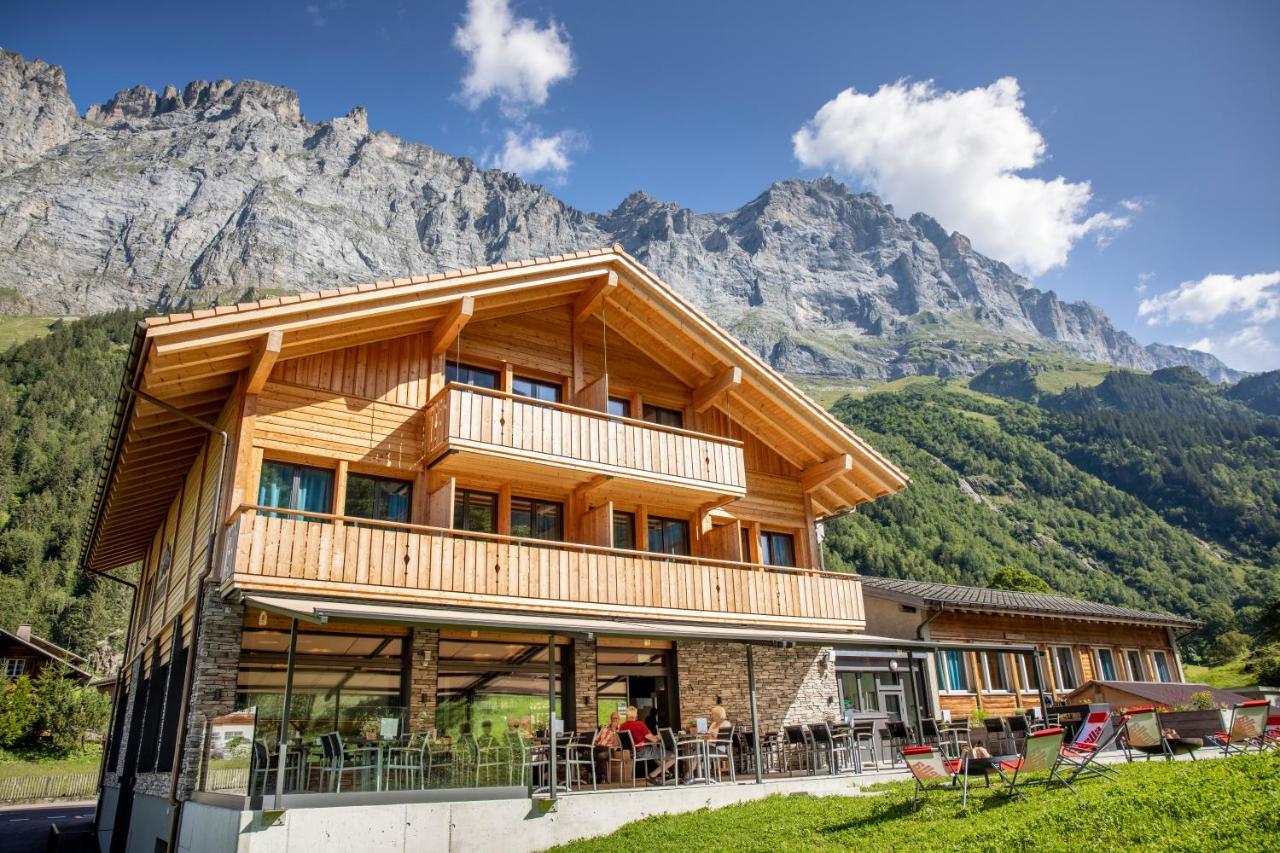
<point>547,392</point>
<point>995,673</point>
<point>1160,660</point>
<point>952,676</point>
<point>488,688</point>
<point>1106,664</point>
<point>664,417</point>
<point>537,519</point>
<point>624,530</point>
<point>1133,660</point>
<point>777,549</point>
<point>378,498</point>
<point>475,511</point>
<point>1064,667</point>
<point>341,682</point>
<point>620,407</point>
<point>466,374</point>
<point>287,486</point>
<point>668,535</point>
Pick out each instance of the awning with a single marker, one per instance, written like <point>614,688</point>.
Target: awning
<point>320,610</point>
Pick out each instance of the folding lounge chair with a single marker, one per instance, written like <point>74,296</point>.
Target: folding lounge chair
<point>1247,729</point>
<point>1271,737</point>
<point>929,769</point>
<point>1090,741</point>
<point>1143,732</point>
<point>1041,753</point>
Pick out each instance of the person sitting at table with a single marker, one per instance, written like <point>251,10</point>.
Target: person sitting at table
<point>646,743</point>
<point>606,742</point>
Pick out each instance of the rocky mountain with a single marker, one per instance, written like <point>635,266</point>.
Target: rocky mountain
<point>223,189</point>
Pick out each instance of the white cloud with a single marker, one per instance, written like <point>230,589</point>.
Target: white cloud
<point>1203,345</point>
<point>1144,281</point>
<point>956,156</point>
<point>1215,296</point>
<point>1133,205</point>
<point>509,58</point>
<point>1253,339</point>
<point>528,153</point>
<point>314,14</point>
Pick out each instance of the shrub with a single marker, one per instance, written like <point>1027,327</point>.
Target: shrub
<point>18,711</point>
<point>1264,665</point>
<point>1202,701</point>
<point>67,712</point>
<point>1229,646</point>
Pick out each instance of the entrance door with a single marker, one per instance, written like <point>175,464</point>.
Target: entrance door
<point>641,677</point>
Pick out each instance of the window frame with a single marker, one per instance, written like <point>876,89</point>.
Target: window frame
<point>648,541</point>
<point>613,530</point>
<point>8,665</point>
<point>457,366</point>
<point>623,402</point>
<point>1168,666</point>
<point>650,409</point>
<point>1099,673</point>
<point>1128,664</point>
<point>534,504</point>
<point>287,511</point>
<point>766,550</point>
<point>376,478</point>
<point>944,672</point>
<point>1057,668</point>
<point>535,382</point>
<point>460,494</point>
<point>985,657</point>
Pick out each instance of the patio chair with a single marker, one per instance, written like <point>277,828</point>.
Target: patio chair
<point>481,757</point>
<point>864,739</point>
<point>1271,737</point>
<point>825,746</point>
<point>622,756</point>
<point>683,751</point>
<point>340,759</point>
<point>1091,740</point>
<point>996,735</point>
<point>1247,728</point>
<point>797,746</point>
<point>1041,753</point>
<point>721,752</point>
<point>263,769</point>
<point>1019,727</point>
<point>930,769</point>
<point>1143,732</point>
<point>899,737</point>
<point>657,755</point>
<point>580,753</point>
<point>404,767</point>
<point>440,759</point>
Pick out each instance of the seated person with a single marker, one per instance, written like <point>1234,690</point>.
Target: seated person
<point>606,742</point>
<point>646,742</point>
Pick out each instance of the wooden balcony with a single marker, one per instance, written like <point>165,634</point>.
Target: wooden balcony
<point>341,556</point>
<point>469,427</point>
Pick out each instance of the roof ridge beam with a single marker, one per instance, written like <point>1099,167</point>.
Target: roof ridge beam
<point>591,298</point>
<point>264,358</point>
<point>446,331</point>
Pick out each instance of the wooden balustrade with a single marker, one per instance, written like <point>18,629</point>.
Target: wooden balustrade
<point>461,417</point>
<point>344,556</point>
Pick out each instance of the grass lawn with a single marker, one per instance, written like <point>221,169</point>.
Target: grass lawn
<point>15,330</point>
<point>31,764</point>
<point>1223,676</point>
<point>1209,805</point>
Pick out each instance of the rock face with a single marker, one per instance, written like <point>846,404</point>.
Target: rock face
<point>178,198</point>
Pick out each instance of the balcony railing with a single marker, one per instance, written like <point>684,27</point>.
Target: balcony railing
<point>461,417</point>
<point>346,556</point>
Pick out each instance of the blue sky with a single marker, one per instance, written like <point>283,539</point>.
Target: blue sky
<point>1122,153</point>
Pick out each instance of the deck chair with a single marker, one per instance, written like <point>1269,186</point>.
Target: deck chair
<point>929,769</point>
<point>1271,737</point>
<point>1041,753</point>
<point>1090,741</point>
<point>1143,732</point>
<point>1247,728</point>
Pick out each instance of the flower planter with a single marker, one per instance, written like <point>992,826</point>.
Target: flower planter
<point>1199,724</point>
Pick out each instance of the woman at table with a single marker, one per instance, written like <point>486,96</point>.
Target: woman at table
<point>606,742</point>
<point>646,743</point>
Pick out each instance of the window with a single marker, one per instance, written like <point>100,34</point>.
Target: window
<point>624,530</point>
<point>1133,660</point>
<point>14,667</point>
<point>1024,682</point>
<point>995,673</point>
<point>777,549</point>
<point>488,689</point>
<point>746,544</point>
<point>620,407</point>
<point>1106,664</point>
<point>952,677</point>
<point>466,374</point>
<point>378,498</point>
<point>1064,667</point>
<point>664,417</point>
<point>547,392</point>
<point>287,486</point>
<point>668,536</point>
<point>537,519</point>
<point>475,511</point>
<point>1163,671</point>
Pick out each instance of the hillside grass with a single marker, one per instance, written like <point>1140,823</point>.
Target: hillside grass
<point>15,330</point>
<point>1208,805</point>
<point>1224,676</point>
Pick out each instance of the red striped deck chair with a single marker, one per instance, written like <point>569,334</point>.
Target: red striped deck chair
<point>1271,737</point>
<point>1247,727</point>
<point>1143,733</point>
<point>1081,753</point>
<point>929,768</point>
<point>1042,753</point>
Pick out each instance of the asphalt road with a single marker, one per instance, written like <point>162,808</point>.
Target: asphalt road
<point>25,829</point>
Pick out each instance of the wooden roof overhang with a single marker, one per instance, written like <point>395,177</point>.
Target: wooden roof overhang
<point>193,361</point>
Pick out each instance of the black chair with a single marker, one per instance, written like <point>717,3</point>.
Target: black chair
<point>899,738</point>
<point>996,734</point>
<point>864,738</point>
<point>1019,727</point>
<point>797,746</point>
<point>683,752</point>
<point>825,744</point>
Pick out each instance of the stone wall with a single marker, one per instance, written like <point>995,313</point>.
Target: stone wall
<point>213,687</point>
<point>124,706</point>
<point>424,669</point>
<point>792,685</point>
<point>584,676</point>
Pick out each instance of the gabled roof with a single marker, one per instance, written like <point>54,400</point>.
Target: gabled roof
<point>192,361</point>
<point>945,596</point>
<point>1166,693</point>
<point>52,651</point>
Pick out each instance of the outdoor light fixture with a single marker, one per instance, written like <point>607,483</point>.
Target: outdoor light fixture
<point>262,618</point>
<point>893,666</point>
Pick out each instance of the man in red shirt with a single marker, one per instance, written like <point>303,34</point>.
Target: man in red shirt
<point>646,743</point>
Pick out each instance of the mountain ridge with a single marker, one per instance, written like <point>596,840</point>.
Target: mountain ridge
<point>202,195</point>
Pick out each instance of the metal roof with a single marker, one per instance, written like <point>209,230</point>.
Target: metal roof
<point>947,596</point>
<point>1168,694</point>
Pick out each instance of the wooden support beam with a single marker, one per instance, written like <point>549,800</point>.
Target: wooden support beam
<point>264,358</point>
<point>712,506</point>
<point>449,326</point>
<point>824,472</point>
<point>705,396</point>
<point>583,492</point>
<point>589,300</point>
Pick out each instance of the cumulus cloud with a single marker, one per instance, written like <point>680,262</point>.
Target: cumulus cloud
<point>957,156</point>
<point>1215,296</point>
<point>509,58</point>
<point>1203,345</point>
<point>1144,281</point>
<point>528,153</point>
<point>1253,339</point>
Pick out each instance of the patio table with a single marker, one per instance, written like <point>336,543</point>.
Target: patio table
<point>704,757</point>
